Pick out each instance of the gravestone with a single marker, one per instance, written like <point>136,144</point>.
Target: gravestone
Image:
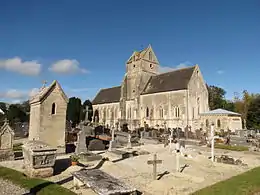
<point>101,182</point>
<point>6,142</point>
<point>112,141</point>
<point>81,142</point>
<point>39,159</point>
<point>154,162</point>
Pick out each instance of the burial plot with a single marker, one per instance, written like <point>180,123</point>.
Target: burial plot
<point>6,142</point>
<point>154,162</point>
<point>101,182</point>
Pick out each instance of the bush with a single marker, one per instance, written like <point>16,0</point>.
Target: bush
<point>17,147</point>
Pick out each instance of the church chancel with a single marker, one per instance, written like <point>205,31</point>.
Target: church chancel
<point>146,96</point>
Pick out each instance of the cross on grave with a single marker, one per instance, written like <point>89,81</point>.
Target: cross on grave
<point>6,121</point>
<point>154,162</point>
<point>44,82</point>
<point>170,139</point>
<point>86,113</point>
<point>212,137</point>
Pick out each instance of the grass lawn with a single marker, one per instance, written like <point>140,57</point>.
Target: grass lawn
<point>39,186</point>
<point>230,147</point>
<point>246,183</point>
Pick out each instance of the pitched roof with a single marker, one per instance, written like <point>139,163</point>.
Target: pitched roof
<point>42,94</point>
<point>169,81</point>
<point>138,54</point>
<point>109,95</point>
<point>220,111</point>
<point>7,127</point>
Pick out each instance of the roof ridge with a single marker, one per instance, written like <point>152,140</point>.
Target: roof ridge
<point>177,69</point>
<point>110,87</point>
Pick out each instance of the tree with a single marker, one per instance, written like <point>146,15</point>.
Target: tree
<point>242,105</point>
<point>90,110</point>
<point>16,114</point>
<point>253,114</point>
<point>216,97</point>
<point>74,110</point>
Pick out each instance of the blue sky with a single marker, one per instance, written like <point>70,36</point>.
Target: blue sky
<point>85,44</point>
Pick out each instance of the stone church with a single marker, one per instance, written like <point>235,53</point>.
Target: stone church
<point>146,96</point>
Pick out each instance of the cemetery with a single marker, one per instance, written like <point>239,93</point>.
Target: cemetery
<point>110,161</point>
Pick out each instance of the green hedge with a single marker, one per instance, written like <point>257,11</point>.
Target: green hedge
<point>243,184</point>
<point>38,186</point>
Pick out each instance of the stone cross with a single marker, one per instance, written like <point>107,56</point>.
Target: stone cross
<point>86,111</point>
<point>177,156</point>
<point>170,139</point>
<point>212,137</point>
<point>129,145</point>
<point>112,139</point>
<point>154,162</point>
<point>44,83</point>
<point>6,121</point>
<point>81,142</point>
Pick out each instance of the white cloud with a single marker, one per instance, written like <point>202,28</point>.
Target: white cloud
<point>220,72</point>
<point>16,96</point>
<point>164,69</point>
<point>16,64</point>
<point>67,67</point>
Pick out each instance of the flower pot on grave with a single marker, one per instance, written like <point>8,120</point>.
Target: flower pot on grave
<point>74,163</point>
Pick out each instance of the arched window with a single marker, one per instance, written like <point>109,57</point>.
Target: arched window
<point>150,56</point>
<point>53,108</point>
<point>198,103</point>
<point>207,123</point>
<point>177,112</point>
<point>147,112</point>
<point>161,112</point>
<point>218,123</point>
<point>129,113</point>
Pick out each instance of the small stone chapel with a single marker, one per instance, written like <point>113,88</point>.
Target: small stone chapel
<point>48,116</point>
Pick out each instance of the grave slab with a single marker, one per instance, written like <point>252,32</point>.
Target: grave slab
<point>101,182</point>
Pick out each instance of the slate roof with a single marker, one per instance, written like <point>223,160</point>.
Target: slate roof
<point>169,81</point>
<point>109,95</point>
<point>220,111</point>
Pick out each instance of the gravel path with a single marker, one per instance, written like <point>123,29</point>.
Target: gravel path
<point>8,188</point>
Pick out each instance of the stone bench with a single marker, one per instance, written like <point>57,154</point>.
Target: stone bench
<point>101,182</point>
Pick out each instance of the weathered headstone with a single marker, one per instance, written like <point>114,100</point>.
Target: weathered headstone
<point>81,142</point>
<point>101,182</point>
<point>154,162</point>
<point>6,142</point>
<point>39,159</point>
